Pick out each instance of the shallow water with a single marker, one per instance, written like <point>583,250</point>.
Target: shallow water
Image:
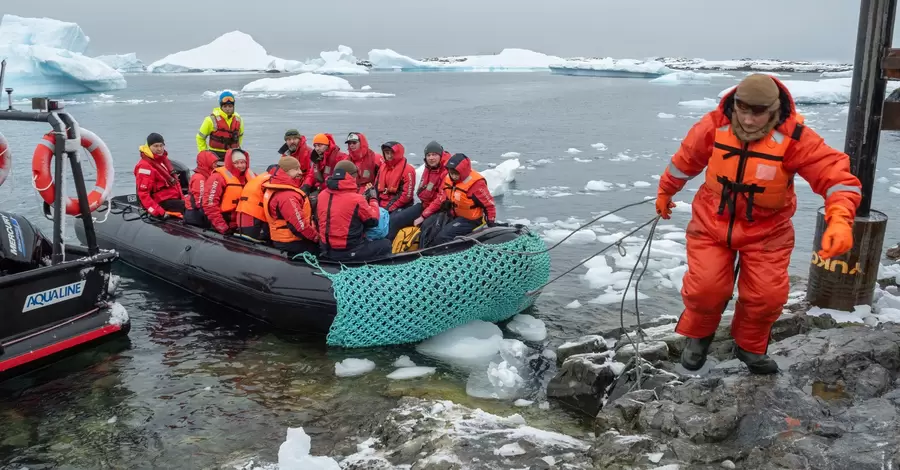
<point>198,386</point>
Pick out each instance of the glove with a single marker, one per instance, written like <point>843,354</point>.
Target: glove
<point>838,237</point>
<point>664,205</point>
<point>370,194</point>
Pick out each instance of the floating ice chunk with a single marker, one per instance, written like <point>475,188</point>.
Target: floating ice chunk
<point>294,454</point>
<point>882,179</point>
<point>41,70</point>
<point>521,402</point>
<point>500,381</point>
<point>469,345</point>
<point>599,146</point>
<point>824,91</point>
<point>404,361</point>
<point>675,236</point>
<point>574,304</point>
<point>302,83</point>
<point>506,60</point>
<point>573,150</point>
<point>681,206</point>
<point>844,74</point>
<point>234,51</point>
<point>117,314</point>
<point>509,450</point>
<point>410,372</point>
<point>45,32</point>
<point>356,94</point>
<point>894,190</point>
<point>365,88</point>
<point>704,104</point>
<point>687,78</point>
<point>112,420</point>
<point>124,63</point>
<point>511,155</point>
<point>640,184</point>
<point>556,235</point>
<point>612,296</point>
<point>665,115</point>
<point>582,160</point>
<point>524,222</point>
<point>498,178</point>
<point>339,62</point>
<point>528,327</point>
<point>597,185</point>
<point>609,67</point>
<point>623,157</point>
<point>351,367</point>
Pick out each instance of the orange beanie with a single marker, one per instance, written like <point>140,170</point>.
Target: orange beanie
<point>321,139</point>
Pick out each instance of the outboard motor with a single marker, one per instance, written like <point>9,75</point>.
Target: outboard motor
<point>183,173</point>
<point>22,245</point>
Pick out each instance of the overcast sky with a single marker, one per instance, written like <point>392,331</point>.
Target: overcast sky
<point>294,29</point>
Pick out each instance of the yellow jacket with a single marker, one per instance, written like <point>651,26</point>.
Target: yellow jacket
<point>209,126</point>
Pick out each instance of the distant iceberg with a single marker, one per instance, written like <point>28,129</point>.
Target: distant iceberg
<point>230,52</point>
<point>45,57</point>
<point>825,91</point>
<point>761,65</point>
<point>124,63</point>
<point>687,78</point>
<point>508,60</point>
<point>339,62</point>
<point>302,83</point>
<point>609,67</point>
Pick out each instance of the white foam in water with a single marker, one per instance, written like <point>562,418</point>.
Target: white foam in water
<point>302,83</point>
<point>665,115</point>
<point>511,155</point>
<point>410,372</point>
<point>641,184</point>
<point>573,150</point>
<point>528,327</point>
<point>599,146</point>
<point>404,361</point>
<point>117,315</point>
<point>294,454</point>
<point>598,185</point>
<point>574,304</point>
<point>351,367</point>
<point>469,345</point>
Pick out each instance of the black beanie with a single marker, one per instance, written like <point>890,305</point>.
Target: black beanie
<point>434,147</point>
<point>155,138</point>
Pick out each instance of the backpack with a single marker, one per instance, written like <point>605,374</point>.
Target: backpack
<point>407,239</point>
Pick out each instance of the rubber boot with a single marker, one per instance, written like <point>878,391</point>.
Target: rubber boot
<point>757,363</point>
<point>695,350</point>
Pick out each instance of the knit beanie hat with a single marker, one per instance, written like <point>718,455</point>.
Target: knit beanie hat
<point>291,133</point>
<point>155,138</point>
<point>288,163</point>
<point>757,90</point>
<point>321,139</point>
<point>434,147</point>
<point>347,166</point>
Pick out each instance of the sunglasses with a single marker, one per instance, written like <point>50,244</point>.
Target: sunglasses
<point>755,109</point>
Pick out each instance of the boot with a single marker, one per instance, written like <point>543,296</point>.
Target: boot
<point>757,363</point>
<point>695,350</point>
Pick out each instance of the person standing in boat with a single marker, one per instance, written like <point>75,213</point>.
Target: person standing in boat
<point>207,162</point>
<point>432,177</point>
<point>368,163</point>
<point>752,145</point>
<point>396,180</point>
<point>224,189</point>
<point>158,188</point>
<point>466,196</point>
<point>295,146</point>
<point>288,211</point>
<point>344,215</point>
<point>224,128</point>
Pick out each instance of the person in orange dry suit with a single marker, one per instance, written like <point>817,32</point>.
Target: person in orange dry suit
<point>751,145</point>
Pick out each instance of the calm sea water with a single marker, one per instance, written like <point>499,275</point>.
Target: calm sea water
<point>195,385</point>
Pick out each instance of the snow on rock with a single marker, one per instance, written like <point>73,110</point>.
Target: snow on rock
<point>302,83</point>
<point>410,372</point>
<point>687,78</point>
<point>573,151</point>
<point>824,91</point>
<point>351,367</point>
<point>763,65</point>
<point>528,327</point>
<point>665,115</point>
<point>404,361</point>
<point>598,185</point>
<point>231,52</point>
<point>293,454</point>
<point>117,314</point>
<point>469,345</point>
<point>609,67</point>
<point>44,57</point>
<point>356,94</point>
<point>506,60</point>
<point>499,177</point>
<point>124,63</point>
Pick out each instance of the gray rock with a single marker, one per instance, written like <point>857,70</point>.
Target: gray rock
<point>611,447</point>
<point>584,345</point>
<point>651,351</point>
<point>582,381</point>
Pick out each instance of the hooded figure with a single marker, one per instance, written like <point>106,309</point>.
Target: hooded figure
<point>326,154</point>
<point>157,187</point>
<point>223,190</point>
<point>367,161</point>
<point>397,178</point>
<point>465,193</point>
<point>288,211</point>
<point>752,145</point>
<point>193,200</point>
<point>344,216</point>
<point>432,177</point>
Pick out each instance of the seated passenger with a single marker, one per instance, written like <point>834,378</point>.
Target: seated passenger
<point>207,162</point>
<point>158,188</point>
<point>465,194</point>
<point>430,186</point>
<point>367,162</point>
<point>223,190</point>
<point>344,216</point>
<point>288,210</point>
<point>295,146</point>
<point>325,156</point>
<point>396,179</point>
<point>252,223</point>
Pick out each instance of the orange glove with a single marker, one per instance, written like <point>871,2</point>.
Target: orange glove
<point>664,205</point>
<point>838,237</point>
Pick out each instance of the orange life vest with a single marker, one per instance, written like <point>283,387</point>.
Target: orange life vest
<point>458,194</point>
<point>224,137</point>
<point>279,231</point>
<point>252,197</point>
<point>233,188</point>
<point>755,170</point>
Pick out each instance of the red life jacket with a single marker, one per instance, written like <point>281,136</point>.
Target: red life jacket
<point>224,137</point>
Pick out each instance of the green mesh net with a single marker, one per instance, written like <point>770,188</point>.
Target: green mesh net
<point>410,302</point>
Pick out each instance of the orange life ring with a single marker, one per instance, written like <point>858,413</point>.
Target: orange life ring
<point>42,175</point>
<point>5,159</point>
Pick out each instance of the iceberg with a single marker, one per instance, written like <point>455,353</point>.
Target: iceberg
<point>38,63</point>
<point>339,62</point>
<point>687,78</point>
<point>508,60</point>
<point>302,83</point>
<point>609,67</point>
<point>824,91</point>
<point>230,52</point>
<point>124,63</point>
<point>753,65</point>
